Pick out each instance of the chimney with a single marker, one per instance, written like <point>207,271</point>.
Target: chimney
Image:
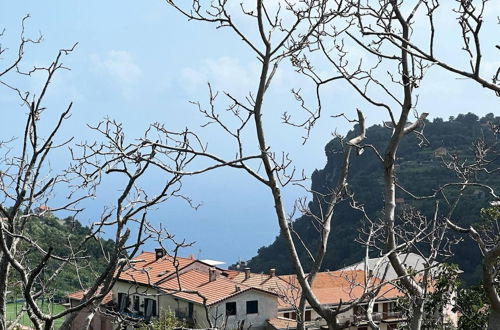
<point>212,274</point>
<point>272,272</point>
<point>237,288</point>
<point>160,253</point>
<point>247,273</point>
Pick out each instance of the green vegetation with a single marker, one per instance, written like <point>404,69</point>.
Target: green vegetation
<point>48,307</point>
<point>59,234</point>
<point>472,304</point>
<point>166,321</point>
<point>420,169</point>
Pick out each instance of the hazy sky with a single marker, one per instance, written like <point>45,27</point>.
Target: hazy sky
<point>141,62</point>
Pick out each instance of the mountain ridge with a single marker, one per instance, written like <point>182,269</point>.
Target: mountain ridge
<point>452,137</point>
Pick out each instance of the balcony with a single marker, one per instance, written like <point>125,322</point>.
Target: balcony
<point>362,317</point>
<point>377,317</point>
<point>392,315</point>
<point>134,315</point>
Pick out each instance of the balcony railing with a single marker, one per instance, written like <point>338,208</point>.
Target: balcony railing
<point>377,316</point>
<point>392,315</point>
<point>134,315</point>
<point>362,317</point>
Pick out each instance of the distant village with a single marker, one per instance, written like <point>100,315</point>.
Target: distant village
<point>201,295</point>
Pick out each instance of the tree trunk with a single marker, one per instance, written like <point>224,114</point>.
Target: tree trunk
<point>369,315</point>
<point>494,320</point>
<point>417,315</point>
<point>48,325</point>
<point>489,283</point>
<point>4,271</point>
<point>301,313</point>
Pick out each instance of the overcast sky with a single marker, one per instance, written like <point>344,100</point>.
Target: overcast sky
<point>141,62</point>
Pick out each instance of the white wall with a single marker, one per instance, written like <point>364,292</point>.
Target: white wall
<point>268,308</point>
<point>133,290</point>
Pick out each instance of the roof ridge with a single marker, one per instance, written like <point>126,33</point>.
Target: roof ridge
<point>169,276</point>
<point>222,278</point>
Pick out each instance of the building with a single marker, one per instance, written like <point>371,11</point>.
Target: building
<point>214,296</point>
<point>440,152</point>
<point>203,295</point>
<point>196,292</point>
<point>347,285</point>
<point>100,320</point>
<point>332,289</point>
<point>381,267</point>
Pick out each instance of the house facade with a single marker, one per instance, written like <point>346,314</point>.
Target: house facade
<point>203,296</point>
<point>198,294</point>
<point>347,285</point>
<point>384,315</point>
<point>332,289</point>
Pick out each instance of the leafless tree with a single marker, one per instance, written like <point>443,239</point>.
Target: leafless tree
<point>387,77</point>
<point>28,184</point>
<point>383,26</point>
<point>470,19</point>
<point>485,234</point>
<point>276,39</point>
<point>384,31</point>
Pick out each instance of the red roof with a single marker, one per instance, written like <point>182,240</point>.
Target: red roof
<point>195,285</point>
<point>145,269</point>
<point>261,281</point>
<point>78,295</point>
<point>332,287</point>
<point>329,287</point>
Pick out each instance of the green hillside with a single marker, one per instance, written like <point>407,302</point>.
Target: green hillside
<point>60,234</point>
<point>420,170</point>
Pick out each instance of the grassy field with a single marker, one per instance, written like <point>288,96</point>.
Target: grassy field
<point>52,308</point>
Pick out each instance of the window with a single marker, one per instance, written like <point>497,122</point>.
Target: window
<point>308,316</point>
<point>375,308</point>
<point>136,303</point>
<point>252,307</point>
<point>286,315</point>
<point>389,310</point>
<point>154,308</point>
<point>123,301</point>
<point>231,308</point>
<point>149,308</point>
<point>190,310</point>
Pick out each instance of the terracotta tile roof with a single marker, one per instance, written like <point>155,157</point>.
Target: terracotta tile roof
<point>78,295</point>
<point>214,291</point>
<point>332,287</point>
<point>188,281</point>
<point>147,270</point>
<point>261,281</point>
<point>231,274</point>
<point>329,287</point>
